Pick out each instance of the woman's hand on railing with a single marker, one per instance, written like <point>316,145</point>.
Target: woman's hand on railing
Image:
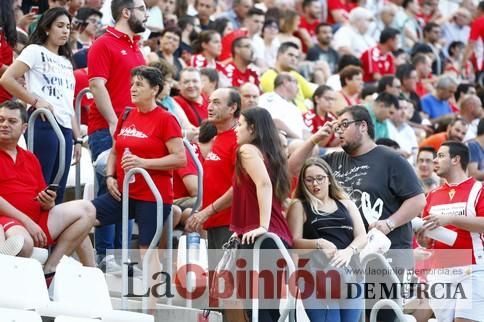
<point>250,236</point>
<point>113,189</point>
<point>42,103</point>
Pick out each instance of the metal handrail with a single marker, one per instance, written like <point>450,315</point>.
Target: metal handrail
<point>291,300</point>
<point>195,208</point>
<point>62,142</point>
<point>77,108</point>
<point>154,242</point>
<point>390,303</point>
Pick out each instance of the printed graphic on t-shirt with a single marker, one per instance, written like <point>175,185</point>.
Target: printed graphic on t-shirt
<point>131,131</point>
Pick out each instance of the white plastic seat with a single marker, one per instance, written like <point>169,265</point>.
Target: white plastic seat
<point>12,315</point>
<point>87,288</point>
<point>64,318</point>
<point>87,175</point>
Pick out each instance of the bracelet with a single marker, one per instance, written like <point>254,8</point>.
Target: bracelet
<point>110,176</point>
<point>314,141</point>
<point>388,225</point>
<point>78,141</point>
<point>213,208</point>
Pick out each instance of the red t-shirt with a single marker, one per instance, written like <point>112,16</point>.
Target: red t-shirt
<point>199,61</point>
<point>454,200</point>
<point>238,78</point>
<point>111,57</point>
<point>311,29</point>
<point>195,112</point>
<point>345,5</point>
<point>476,33</point>
<point>314,122</point>
<point>82,82</point>
<point>179,189</point>
<point>21,182</point>
<point>373,61</point>
<point>227,41</point>
<point>6,58</point>
<point>145,134</point>
<point>218,171</point>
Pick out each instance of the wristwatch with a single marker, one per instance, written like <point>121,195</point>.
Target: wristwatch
<point>78,141</point>
<point>391,225</point>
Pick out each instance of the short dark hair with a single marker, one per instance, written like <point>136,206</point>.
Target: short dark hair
<point>234,98</point>
<point>458,149</point>
<point>211,74</point>
<point>480,127</point>
<point>388,100</point>
<point>385,81</point>
<point>118,5</point>
<point>321,25</point>
<point>348,60</point>
<point>281,78</point>
<point>285,46</point>
<point>453,45</point>
<point>254,11</point>
<point>360,113</point>
<point>419,59</point>
<point>404,71</point>
<point>462,89</point>
<point>320,92</point>
<point>13,105</point>
<point>307,3</point>
<point>429,26</point>
<point>387,34</point>
<point>164,67</point>
<point>173,30</point>
<point>427,149</point>
<point>348,73</point>
<point>388,142</point>
<point>207,131</point>
<point>152,75</point>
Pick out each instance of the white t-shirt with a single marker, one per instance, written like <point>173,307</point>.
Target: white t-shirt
<point>50,77</point>
<point>285,111</point>
<point>404,136</point>
<point>347,36</point>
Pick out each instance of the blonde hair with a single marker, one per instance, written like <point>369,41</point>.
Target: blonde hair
<point>335,191</point>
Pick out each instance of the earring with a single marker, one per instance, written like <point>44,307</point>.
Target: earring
<point>47,34</point>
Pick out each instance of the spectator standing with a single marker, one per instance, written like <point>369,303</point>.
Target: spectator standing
<point>262,185</point>
<point>109,82</point>
<point>378,61</point>
<point>475,43</point>
<point>48,70</point>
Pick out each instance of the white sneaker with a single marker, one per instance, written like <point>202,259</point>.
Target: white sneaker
<point>109,265</point>
<point>12,246</point>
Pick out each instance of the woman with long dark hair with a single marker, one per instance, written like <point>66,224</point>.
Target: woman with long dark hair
<point>46,64</point>
<point>260,187</point>
<point>207,48</point>
<point>8,40</point>
<point>323,218</point>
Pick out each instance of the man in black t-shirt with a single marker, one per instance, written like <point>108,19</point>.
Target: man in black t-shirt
<point>322,50</point>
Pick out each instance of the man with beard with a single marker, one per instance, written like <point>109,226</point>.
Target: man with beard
<point>456,131</point>
<point>110,60</point>
<point>381,183</point>
<point>311,12</point>
<point>322,50</point>
<point>238,70</point>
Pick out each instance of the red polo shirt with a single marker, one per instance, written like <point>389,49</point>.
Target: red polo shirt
<point>6,58</point>
<point>238,78</point>
<point>374,61</point>
<point>195,112</point>
<point>310,27</point>
<point>112,57</point>
<point>179,189</point>
<point>346,5</point>
<point>476,33</point>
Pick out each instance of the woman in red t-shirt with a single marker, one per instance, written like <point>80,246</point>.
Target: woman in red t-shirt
<point>260,186</point>
<point>8,39</point>
<point>146,137</point>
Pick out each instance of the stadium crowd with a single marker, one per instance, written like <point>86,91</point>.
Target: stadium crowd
<point>315,120</point>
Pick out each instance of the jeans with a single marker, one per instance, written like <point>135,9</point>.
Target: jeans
<point>46,148</point>
<point>109,236</point>
<point>334,314</point>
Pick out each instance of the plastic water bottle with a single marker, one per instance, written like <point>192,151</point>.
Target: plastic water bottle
<point>126,152</point>
<point>193,246</point>
<point>442,234</point>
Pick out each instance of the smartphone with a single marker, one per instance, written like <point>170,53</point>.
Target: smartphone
<point>34,9</point>
<point>52,187</point>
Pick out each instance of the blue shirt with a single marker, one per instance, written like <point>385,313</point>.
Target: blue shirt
<point>476,153</point>
<point>434,107</point>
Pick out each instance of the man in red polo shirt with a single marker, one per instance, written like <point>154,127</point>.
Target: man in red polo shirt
<point>239,71</point>
<point>27,207</point>
<point>191,98</point>
<point>308,23</point>
<point>218,170</point>
<point>379,61</point>
<point>110,61</point>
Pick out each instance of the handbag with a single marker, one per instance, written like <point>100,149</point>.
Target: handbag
<point>226,265</point>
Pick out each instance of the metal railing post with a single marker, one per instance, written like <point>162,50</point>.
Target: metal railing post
<point>77,108</point>
<point>154,242</point>
<point>62,142</point>
<point>291,300</point>
<point>195,208</point>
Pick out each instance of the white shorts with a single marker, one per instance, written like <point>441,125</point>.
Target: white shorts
<point>467,281</point>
